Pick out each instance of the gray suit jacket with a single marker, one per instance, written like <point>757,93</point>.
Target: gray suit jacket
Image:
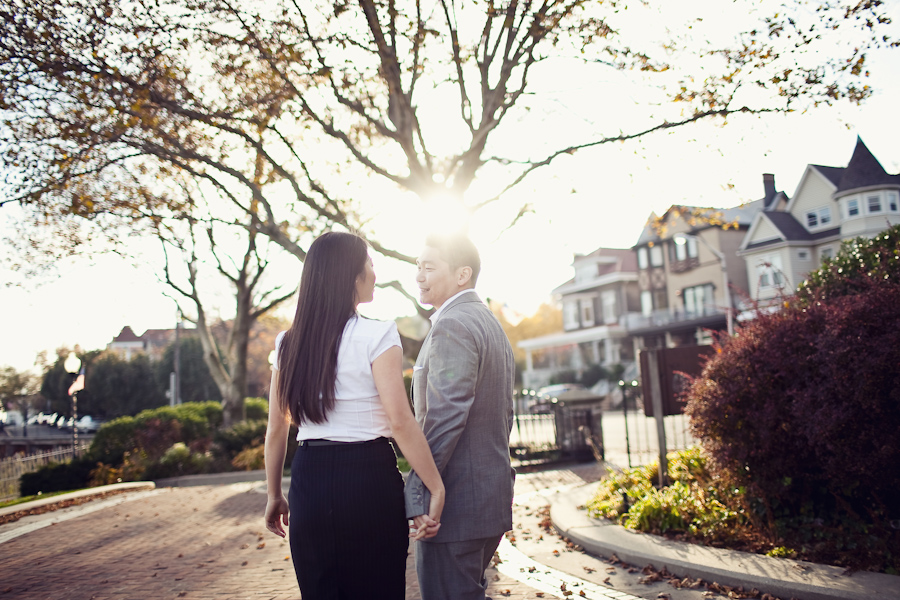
<point>463,396</point>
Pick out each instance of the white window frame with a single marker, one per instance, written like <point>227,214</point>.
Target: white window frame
<point>646,303</point>
<point>892,202</point>
<point>769,272</point>
<point>698,298</point>
<point>874,199</point>
<point>609,302</point>
<point>803,255</point>
<point>643,258</point>
<point>826,252</point>
<point>570,315</point>
<point>818,217</point>
<point>656,256</point>
<point>853,208</point>
<point>587,312</point>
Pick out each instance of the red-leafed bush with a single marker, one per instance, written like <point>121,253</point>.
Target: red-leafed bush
<point>802,409</point>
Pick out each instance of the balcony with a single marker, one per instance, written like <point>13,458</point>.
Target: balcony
<point>672,318</point>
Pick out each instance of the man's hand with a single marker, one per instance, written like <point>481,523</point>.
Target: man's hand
<point>424,527</point>
<point>277,513</point>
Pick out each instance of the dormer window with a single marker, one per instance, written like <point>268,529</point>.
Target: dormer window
<point>818,217</point>
<point>853,207</point>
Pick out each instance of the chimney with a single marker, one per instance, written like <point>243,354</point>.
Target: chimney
<point>769,186</point>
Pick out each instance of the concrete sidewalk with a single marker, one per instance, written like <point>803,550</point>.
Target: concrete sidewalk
<point>777,576</point>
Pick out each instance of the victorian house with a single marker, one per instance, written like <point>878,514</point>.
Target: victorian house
<point>830,205</point>
<point>595,303</point>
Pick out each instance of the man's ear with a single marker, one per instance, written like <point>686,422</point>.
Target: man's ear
<point>463,276</point>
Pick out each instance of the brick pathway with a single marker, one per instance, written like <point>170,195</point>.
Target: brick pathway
<point>200,543</point>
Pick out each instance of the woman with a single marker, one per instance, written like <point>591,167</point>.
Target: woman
<point>338,378</point>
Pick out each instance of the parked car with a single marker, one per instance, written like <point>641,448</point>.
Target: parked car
<point>546,396</point>
<point>87,424</point>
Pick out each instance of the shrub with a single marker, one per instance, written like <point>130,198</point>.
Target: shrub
<point>246,434</point>
<point>57,477</point>
<point>803,408</point>
<point>256,409</point>
<point>178,460</point>
<point>861,263</point>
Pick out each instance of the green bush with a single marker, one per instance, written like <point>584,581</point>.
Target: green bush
<point>692,505</point>
<point>179,460</point>
<point>256,409</point>
<point>230,442</point>
<point>57,477</point>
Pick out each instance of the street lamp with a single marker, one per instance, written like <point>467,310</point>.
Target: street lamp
<point>72,367</point>
<point>681,239</point>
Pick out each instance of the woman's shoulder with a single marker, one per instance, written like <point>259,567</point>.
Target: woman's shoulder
<point>367,326</point>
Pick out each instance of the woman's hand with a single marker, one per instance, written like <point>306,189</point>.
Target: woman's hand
<point>427,526</point>
<point>277,513</point>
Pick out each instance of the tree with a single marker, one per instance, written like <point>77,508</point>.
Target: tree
<point>116,387</point>
<point>279,105</point>
<point>19,390</point>
<point>197,385</point>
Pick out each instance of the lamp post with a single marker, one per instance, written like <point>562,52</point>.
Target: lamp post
<point>681,239</point>
<point>625,418</point>
<point>72,367</point>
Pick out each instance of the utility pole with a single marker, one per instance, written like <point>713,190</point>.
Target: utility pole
<point>176,391</point>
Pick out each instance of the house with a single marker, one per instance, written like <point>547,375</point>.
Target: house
<point>595,304</point>
<point>830,205</point>
<point>690,278</point>
<point>152,342</point>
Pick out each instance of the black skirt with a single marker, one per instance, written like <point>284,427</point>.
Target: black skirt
<point>348,527</point>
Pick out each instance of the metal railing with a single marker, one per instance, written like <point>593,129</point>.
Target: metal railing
<point>12,469</point>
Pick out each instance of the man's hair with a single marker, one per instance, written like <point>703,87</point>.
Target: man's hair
<point>458,250</point>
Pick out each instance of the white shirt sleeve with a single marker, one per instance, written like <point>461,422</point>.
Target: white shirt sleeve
<point>389,338</point>
<point>278,339</point>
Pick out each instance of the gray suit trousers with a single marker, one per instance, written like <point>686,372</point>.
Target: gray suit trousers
<point>454,570</point>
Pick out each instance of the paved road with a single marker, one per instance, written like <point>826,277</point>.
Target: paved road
<point>205,543</point>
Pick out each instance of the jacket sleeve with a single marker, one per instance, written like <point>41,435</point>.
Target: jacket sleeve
<point>453,362</point>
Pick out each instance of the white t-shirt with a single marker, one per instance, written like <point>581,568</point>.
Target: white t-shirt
<point>358,414</point>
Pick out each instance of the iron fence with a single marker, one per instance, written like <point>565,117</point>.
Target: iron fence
<point>12,468</point>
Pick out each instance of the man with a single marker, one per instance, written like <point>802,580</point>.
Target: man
<point>463,395</point>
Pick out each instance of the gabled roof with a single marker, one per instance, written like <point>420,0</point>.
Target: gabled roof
<point>791,230</point>
<point>610,261</point>
<point>742,215</point>
<point>863,170</point>
<point>126,335</point>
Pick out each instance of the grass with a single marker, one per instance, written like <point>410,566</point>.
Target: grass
<point>24,499</point>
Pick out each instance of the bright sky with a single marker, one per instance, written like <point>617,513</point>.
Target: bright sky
<point>600,197</point>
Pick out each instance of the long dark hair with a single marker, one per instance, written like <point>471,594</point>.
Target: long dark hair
<point>307,357</point>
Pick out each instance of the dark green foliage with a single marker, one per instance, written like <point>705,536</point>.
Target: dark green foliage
<point>115,387</point>
<point>197,385</point>
<point>229,442</point>
<point>154,431</point>
<point>861,263</point>
<point>256,408</point>
<point>57,477</point>
<point>803,409</point>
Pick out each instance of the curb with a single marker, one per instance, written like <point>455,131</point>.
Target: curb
<point>52,503</point>
<point>778,576</point>
<point>212,479</point>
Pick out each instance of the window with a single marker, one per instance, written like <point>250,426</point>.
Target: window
<point>826,253</point>
<point>680,251</point>
<point>646,303</point>
<point>892,202</point>
<point>608,301</point>
<point>818,217</point>
<point>642,258</point>
<point>698,300</point>
<point>874,204</point>
<point>570,315</point>
<point>803,254</point>
<point>853,207</point>
<point>587,311</point>
<point>768,271</point>
<point>585,272</point>
<point>656,256</point>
